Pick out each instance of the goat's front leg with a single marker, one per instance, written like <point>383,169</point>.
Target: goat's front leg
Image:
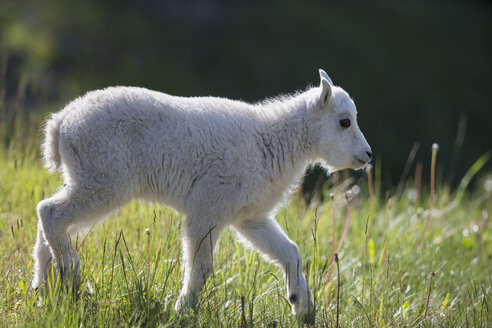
<point>268,237</point>
<point>200,237</point>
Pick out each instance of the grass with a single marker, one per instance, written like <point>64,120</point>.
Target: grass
<point>131,276</point>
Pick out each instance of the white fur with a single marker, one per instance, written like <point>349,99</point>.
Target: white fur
<point>219,161</point>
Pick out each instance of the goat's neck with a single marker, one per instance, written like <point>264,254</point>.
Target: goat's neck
<point>287,140</point>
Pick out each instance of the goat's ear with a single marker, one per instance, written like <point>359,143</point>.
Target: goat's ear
<point>323,75</point>
<point>325,86</point>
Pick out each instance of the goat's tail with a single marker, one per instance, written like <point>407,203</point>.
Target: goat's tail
<point>50,146</point>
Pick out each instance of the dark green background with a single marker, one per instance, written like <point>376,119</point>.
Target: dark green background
<point>414,68</point>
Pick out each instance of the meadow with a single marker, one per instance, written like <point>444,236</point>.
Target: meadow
<point>405,258</point>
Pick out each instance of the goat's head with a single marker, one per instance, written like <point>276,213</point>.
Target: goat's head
<point>341,143</point>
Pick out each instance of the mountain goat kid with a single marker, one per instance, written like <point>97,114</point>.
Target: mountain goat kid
<point>219,161</point>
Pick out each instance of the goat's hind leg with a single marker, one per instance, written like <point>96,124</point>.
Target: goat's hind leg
<point>42,258</point>
<point>69,207</point>
<point>56,214</point>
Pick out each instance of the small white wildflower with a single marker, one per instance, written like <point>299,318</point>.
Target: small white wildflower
<point>355,189</point>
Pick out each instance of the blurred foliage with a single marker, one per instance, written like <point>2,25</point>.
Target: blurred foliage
<point>416,69</point>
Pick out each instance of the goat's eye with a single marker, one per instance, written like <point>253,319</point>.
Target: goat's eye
<point>345,123</point>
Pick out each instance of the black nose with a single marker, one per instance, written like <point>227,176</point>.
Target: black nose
<point>369,154</point>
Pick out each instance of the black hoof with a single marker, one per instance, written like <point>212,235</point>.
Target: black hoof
<point>308,318</point>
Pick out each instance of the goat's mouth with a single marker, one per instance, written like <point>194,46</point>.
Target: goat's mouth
<point>360,163</point>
